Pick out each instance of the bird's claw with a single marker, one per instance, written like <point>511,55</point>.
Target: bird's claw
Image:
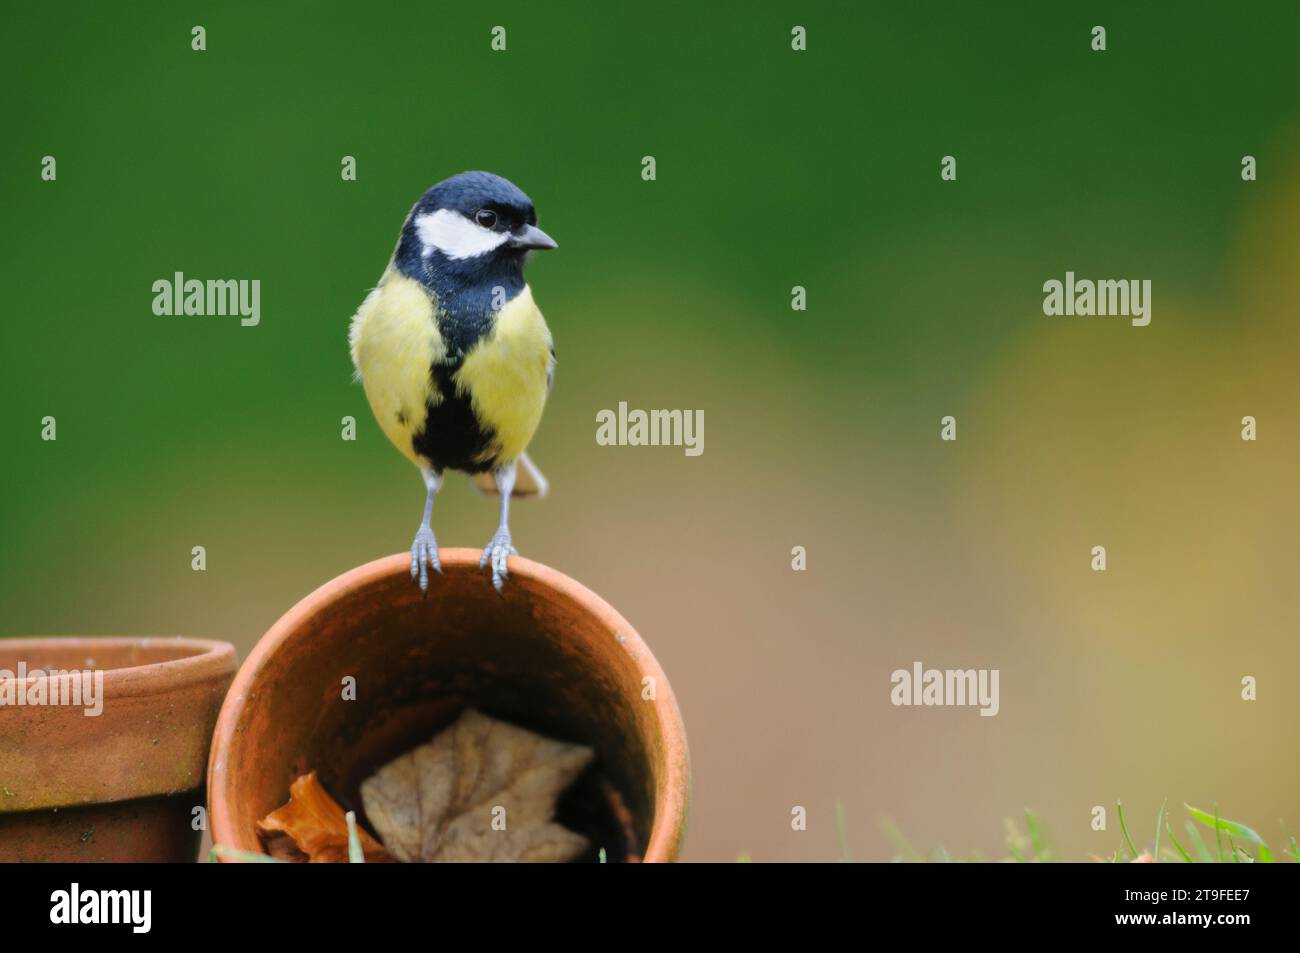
<point>424,553</point>
<point>496,552</point>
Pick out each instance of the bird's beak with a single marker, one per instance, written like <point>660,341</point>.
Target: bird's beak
<point>530,236</point>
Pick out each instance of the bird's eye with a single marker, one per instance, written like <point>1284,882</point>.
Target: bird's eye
<point>486,217</point>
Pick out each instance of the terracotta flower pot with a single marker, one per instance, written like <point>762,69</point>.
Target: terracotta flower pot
<point>550,656</point>
<point>120,785</point>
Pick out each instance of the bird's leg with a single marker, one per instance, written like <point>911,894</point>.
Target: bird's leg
<point>424,551</point>
<point>498,548</point>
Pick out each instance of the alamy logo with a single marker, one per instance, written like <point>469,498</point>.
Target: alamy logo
<point>37,688</point>
<point>1084,297</point>
<point>216,296</point>
<point>133,907</point>
<point>654,428</point>
<point>946,687</point>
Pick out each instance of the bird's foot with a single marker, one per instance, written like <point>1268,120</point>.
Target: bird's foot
<point>496,552</point>
<point>424,553</point>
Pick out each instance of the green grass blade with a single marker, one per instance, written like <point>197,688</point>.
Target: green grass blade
<point>899,842</point>
<point>1198,844</point>
<point>1232,851</point>
<point>1218,839</point>
<point>1290,848</point>
<point>1231,828</point>
<point>1035,837</point>
<point>1177,846</point>
<point>1159,821</point>
<point>1124,827</point>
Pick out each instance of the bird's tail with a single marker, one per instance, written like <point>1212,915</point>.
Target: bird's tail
<point>528,480</point>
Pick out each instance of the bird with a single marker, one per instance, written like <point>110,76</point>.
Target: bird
<point>455,357</point>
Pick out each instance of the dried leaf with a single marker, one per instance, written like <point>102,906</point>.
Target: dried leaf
<point>482,790</point>
<point>311,827</point>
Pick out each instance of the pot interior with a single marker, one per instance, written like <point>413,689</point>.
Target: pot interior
<point>539,658</point>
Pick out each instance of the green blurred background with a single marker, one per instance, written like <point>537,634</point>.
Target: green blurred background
<point>775,168</point>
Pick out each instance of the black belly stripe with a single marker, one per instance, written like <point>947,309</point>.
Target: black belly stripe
<point>452,437</point>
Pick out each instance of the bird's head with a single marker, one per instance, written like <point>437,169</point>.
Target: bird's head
<point>469,227</point>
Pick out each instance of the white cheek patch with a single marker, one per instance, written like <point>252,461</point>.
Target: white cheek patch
<point>455,236</point>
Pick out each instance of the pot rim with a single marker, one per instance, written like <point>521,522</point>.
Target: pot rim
<point>210,658</point>
<point>669,826</point>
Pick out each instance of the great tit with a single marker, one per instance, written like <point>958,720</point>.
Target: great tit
<point>456,359</point>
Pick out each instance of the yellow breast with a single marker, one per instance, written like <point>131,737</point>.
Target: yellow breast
<point>395,341</point>
<point>506,375</point>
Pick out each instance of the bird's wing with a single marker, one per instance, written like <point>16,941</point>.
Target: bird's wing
<point>529,480</point>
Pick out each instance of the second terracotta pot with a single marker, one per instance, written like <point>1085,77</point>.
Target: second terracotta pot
<point>549,655</point>
<point>117,776</point>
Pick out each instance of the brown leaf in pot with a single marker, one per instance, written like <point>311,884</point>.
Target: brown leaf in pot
<point>481,790</point>
<point>311,828</point>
